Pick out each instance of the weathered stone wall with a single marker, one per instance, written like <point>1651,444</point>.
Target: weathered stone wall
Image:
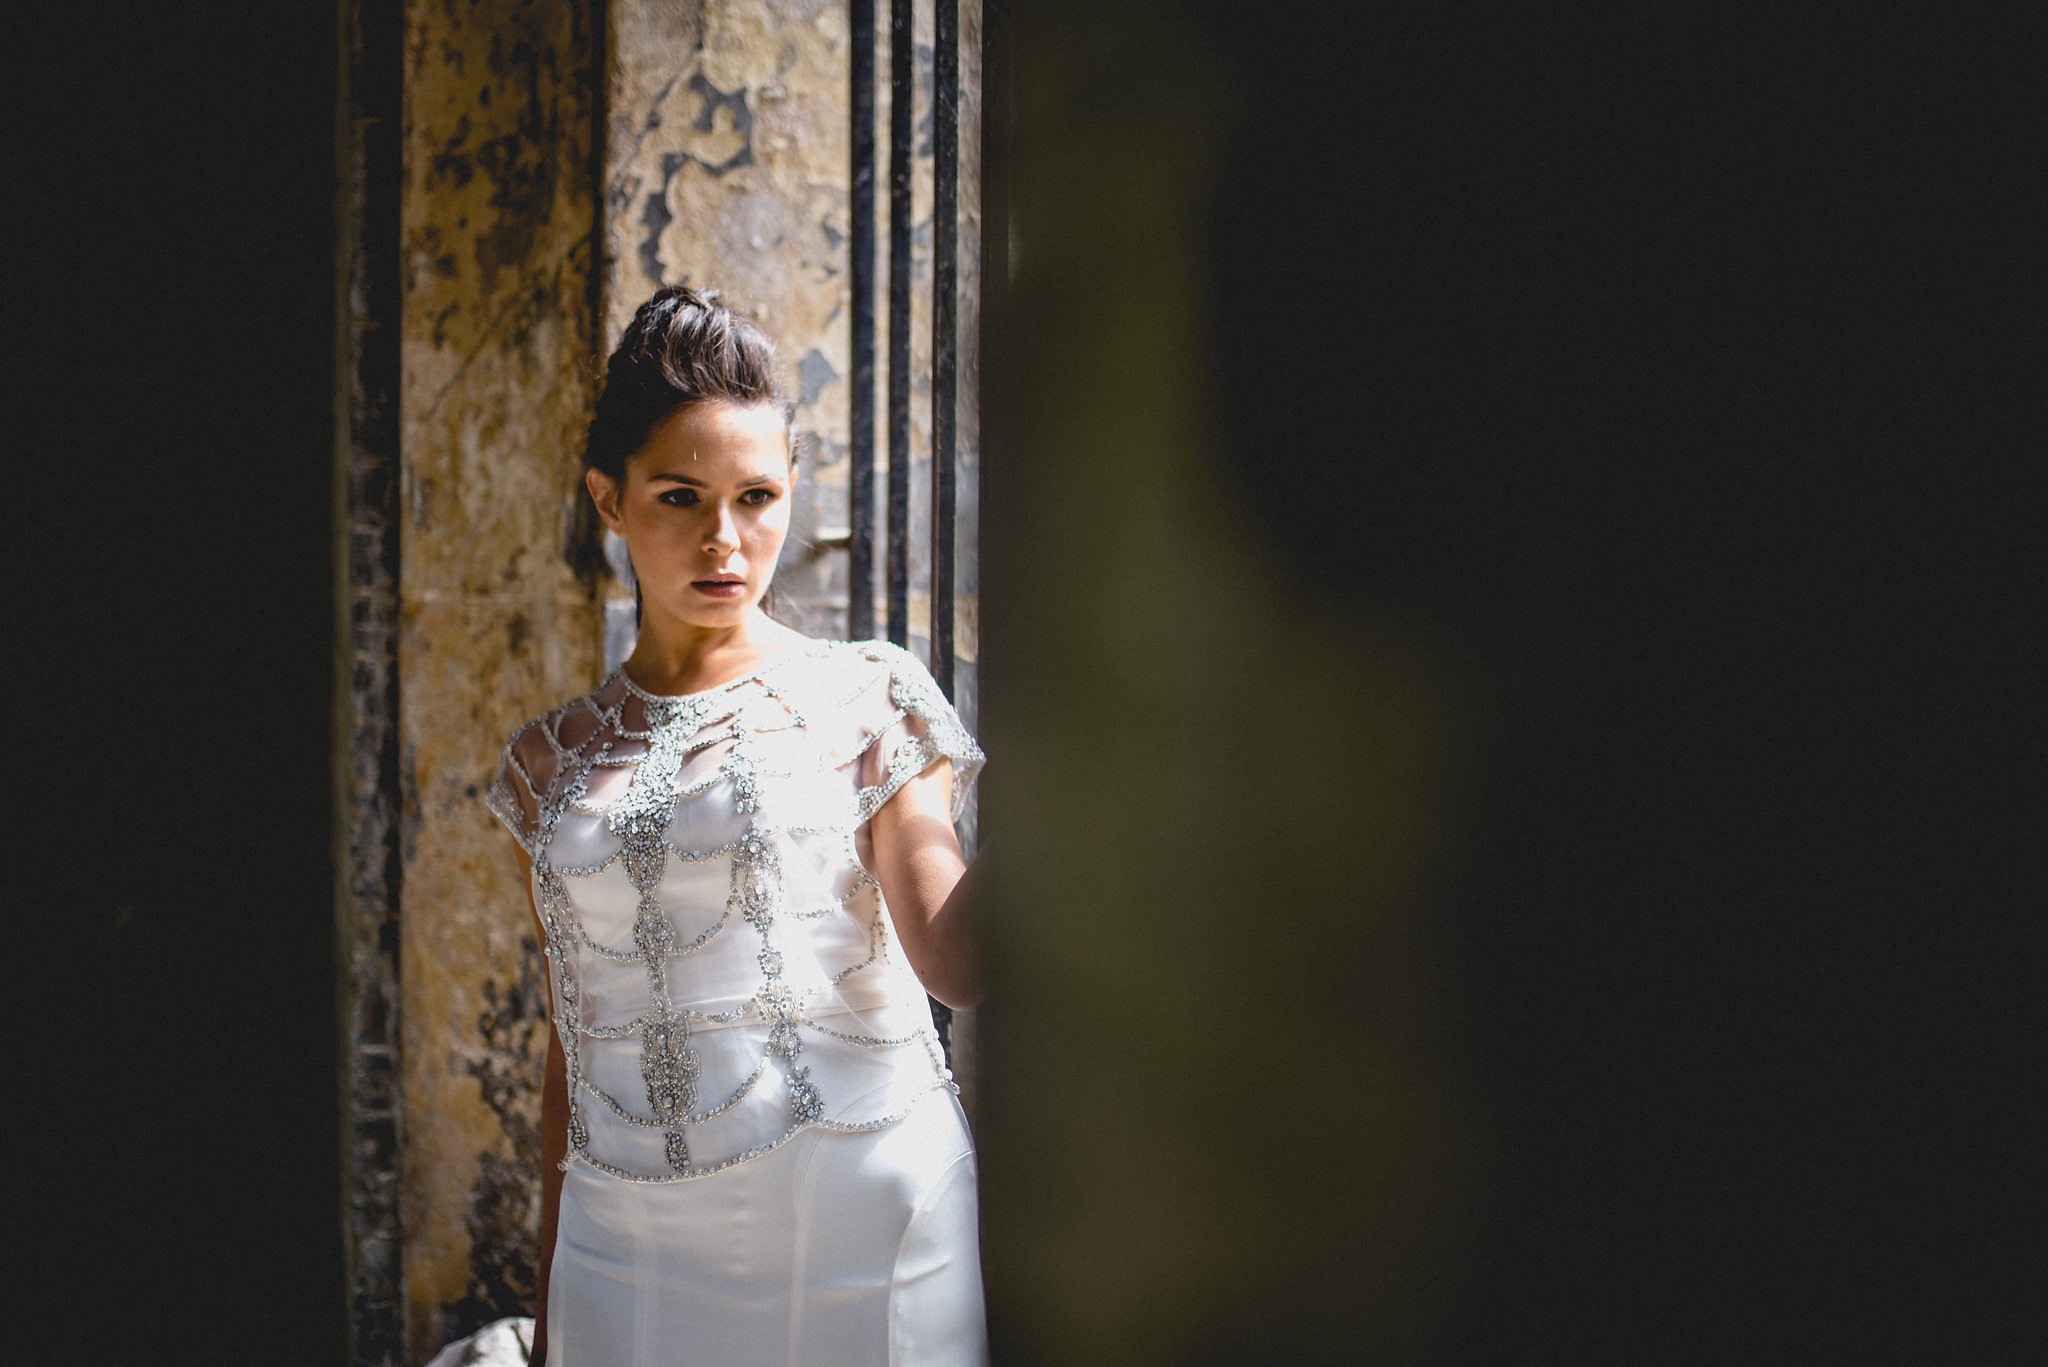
<point>501,113</point>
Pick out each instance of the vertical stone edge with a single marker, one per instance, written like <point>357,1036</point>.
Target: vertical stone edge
<point>365,750</point>
<point>495,238</point>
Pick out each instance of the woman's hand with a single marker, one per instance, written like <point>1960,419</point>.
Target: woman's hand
<point>936,911</point>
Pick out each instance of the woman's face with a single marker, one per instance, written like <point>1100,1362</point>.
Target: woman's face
<point>707,499</point>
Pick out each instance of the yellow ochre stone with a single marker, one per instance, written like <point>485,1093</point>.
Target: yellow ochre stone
<point>496,220</point>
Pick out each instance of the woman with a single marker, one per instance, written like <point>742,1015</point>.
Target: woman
<point>743,861</point>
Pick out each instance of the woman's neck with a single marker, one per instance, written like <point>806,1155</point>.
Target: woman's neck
<point>677,657</point>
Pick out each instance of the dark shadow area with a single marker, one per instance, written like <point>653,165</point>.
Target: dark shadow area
<point>1632,368</point>
<point>173,1062</point>
<point>1628,358</point>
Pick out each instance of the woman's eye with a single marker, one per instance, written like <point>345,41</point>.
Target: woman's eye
<point>687,498</point>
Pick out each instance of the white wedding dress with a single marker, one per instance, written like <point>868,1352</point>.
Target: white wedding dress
<point>768,1162</point>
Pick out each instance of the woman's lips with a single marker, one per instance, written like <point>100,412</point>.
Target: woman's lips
<point>719,588</point>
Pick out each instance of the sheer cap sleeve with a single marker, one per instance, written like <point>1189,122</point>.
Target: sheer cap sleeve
<point>913,727</point>
<point>527,769</point>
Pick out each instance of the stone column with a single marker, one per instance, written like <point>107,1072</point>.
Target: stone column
<point>501,112</point>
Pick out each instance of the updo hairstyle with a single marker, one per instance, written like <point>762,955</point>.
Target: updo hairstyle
<point>683,347</point>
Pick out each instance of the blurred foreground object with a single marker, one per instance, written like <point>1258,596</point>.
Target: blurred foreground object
<point>1219,1125</point>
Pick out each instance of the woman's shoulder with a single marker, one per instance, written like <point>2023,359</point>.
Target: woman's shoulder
<point>878,668</point>
<point>544,737</point>
<point>831,647</point>
<point>592,700</point>
<point>532,759</point>
<point>887,654</point>
<point>882,658</point>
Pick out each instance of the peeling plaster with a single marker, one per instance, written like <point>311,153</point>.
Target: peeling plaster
<point>496,331</point>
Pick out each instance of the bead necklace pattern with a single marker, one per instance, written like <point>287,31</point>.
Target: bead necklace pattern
<point>702,1030</point>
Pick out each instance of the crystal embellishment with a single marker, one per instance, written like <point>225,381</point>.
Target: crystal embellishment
<point>670,1066</point>
<point>649,801</point>
<point>779,805</point>
<point>805,1105</point>
<point>653,932</point>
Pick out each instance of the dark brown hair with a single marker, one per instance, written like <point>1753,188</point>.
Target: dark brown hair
<point>684,346</point>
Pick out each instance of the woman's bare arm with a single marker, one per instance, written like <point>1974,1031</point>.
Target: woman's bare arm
<point>936,910</point>
<point>554,1144</point>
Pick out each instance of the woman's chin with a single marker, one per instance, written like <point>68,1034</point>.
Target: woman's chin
<point>703,610</point>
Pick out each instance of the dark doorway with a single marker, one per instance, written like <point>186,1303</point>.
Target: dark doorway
<point>175,1072</point>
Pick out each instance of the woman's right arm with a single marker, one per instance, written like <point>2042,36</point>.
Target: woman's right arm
<point>554,1144</point>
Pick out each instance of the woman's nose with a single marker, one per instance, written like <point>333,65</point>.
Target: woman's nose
<point>721,534</point>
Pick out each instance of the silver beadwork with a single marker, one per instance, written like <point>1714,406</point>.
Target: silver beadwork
<point>805,1105</point>
<point>904,723</point>
<point>670,1068</point>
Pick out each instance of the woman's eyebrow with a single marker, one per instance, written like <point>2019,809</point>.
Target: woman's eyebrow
<point>685,479</point>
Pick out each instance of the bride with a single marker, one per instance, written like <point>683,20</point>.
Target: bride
<point>742,856</point>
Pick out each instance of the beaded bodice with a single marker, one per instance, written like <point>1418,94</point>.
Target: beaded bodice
<point>722,960</point>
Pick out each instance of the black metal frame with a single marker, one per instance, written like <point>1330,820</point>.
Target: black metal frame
<point>861,243</point>
<point>945,325</point>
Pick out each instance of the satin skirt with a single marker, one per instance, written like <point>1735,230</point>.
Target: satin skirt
<point>835,1250</point>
